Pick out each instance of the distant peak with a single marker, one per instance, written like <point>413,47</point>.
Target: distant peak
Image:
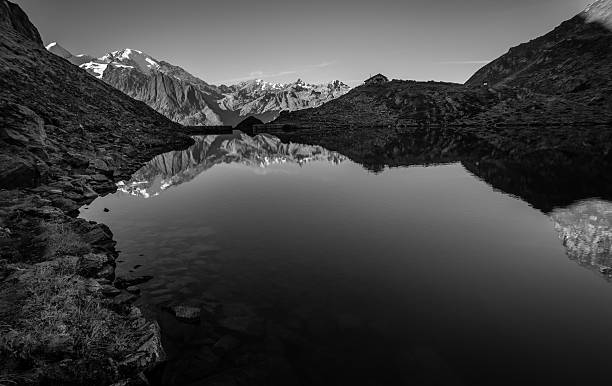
<point>132,58</point>
<point>58,50</point>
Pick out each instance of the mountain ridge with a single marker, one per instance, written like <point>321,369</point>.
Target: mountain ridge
<point>562,77</point>
<point>187,99</point>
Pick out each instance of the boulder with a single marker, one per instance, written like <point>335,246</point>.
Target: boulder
<point>109,291</point>
<point>124,298</point>
<point>186,313</point>
<point>20,173</point>
<point>149,353</point>
<point>133,289</point>
<point>91,264</point>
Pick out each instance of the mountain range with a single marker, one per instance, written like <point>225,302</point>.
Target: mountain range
<point>190,101</point>
<point>177,167</point>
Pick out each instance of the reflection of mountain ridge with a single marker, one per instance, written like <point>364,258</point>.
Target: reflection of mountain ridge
<point>571,184</point>
<point>177,167</point>
<point>546,176</point>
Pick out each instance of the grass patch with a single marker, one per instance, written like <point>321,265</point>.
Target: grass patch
<point>62,240</point>
<point>61,317</point>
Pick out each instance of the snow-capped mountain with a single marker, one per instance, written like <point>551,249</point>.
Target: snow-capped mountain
<point>64,53</point>
<point>178,167</point>
<point>257,97</point>
<point>188,100</point>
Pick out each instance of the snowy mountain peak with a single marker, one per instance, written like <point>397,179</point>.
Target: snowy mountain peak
<point>58,50</point>
<point>132,58</point>
<point>191,101</point>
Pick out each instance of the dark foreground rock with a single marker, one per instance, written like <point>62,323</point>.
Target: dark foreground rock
<point>65,139</point>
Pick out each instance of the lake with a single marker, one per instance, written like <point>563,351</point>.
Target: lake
<point>416,274</point>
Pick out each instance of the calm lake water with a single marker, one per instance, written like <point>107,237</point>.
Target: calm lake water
<point>412,275</point>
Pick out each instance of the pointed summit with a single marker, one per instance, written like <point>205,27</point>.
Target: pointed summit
<point>58,50</point>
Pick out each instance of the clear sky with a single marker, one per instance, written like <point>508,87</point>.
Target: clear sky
<point>317,40</point>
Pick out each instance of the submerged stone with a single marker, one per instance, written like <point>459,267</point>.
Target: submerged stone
<point>186,313</point>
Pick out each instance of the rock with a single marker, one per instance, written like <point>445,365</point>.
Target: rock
<point>605,270</point>
<point>99,178</point>
<point>31,130</point>
<point>80,372</point>
<point>99,235</point>
<point>225,344</point>
<point>124,298</point>
<point>99,164</point>
<point>149,353</point>
<point>89,194</point>
<point>108,272</point>
<point>133,289</point>
<point>20,173</point>
<point>129,280</point>
<point>109,291</point>
<point>91,264</point>
<point>65,204</point>
<point>135,313</point>
<point>75,160</point>
<point>186,313</point>
<point>92,285</point>
<point>60,345</point>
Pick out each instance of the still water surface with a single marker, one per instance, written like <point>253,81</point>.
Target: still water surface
<point>414,274</point>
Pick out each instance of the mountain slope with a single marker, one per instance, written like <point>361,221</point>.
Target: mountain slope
<point>188,100</point>
<point>67,111</point>
<point>65,138</point>
<point>564,77</point>
<point>574,60</point>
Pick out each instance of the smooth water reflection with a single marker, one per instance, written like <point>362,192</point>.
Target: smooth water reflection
<point>421,275</point>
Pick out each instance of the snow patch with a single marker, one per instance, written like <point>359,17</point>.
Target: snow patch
<point>96,68</point>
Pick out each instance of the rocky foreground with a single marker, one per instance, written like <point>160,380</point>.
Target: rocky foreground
<point>65,138</point>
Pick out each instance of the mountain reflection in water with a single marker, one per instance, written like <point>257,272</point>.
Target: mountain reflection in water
<point>177,167</point>
<point>363,265</point>
<point>584,224</point>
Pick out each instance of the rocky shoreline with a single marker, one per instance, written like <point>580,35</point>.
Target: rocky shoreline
<point>65,139</point>
<point>40,238</point>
